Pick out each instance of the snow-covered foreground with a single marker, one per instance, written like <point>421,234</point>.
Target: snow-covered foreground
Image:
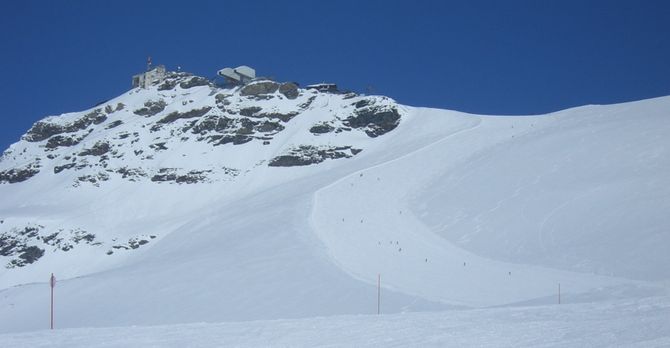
<point>630,323</point>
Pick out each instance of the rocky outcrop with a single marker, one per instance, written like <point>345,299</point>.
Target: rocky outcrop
<point>63,140</point>
<point>259,88</point>
<point>43,130</point>
<point>375,121</point>
<point>321,128</point>
<point>93,179</point>
<point>172,79</point>
<point>189,114</point>
<point>27,244</point>
<point>211,123</point>
<point>250,111</point>
<point>131,174</point>
<point>173,175</point>
<point>289,90</point>
<point>114,124</point>
<point>15,243</point>
<point>305,155</point>
<point>151,108</point>
<point>20,174</point>
<point>100,148</point>
<point>194,82</point>
<point>58,169</point>
<point>133,243</point>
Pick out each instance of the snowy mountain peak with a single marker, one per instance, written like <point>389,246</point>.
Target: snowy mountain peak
<point>181,130</point>
<point>186,129</point>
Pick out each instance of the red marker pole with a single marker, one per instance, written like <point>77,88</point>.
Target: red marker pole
<point>52,283</point>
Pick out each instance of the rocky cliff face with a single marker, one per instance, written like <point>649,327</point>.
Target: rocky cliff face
<point>183,131</point>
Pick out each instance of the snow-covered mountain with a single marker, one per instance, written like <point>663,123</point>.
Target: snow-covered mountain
<point>188,202</point>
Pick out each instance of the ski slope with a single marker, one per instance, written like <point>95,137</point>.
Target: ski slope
<point>454,211</point>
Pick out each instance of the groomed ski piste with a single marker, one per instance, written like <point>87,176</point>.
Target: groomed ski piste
<point>468,222</point>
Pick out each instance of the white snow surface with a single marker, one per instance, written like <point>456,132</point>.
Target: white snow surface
<point>470,221</point>
<point>612,324</point>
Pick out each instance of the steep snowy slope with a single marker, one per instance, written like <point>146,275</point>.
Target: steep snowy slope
<point>195,203</point>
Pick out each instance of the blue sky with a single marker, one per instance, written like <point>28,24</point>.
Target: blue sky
<point>494,57</point>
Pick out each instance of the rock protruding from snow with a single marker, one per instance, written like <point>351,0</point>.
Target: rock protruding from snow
<point>259,87</point>
<point>305,155</point>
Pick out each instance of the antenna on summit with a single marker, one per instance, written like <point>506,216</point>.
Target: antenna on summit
<point>148,63</point>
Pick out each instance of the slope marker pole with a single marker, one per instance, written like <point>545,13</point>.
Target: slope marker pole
<point>379,292</point>
<point>559,293</point>
<point>52,284</point>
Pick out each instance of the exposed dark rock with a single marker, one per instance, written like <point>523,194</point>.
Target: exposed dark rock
<point>222,101</point>
<point>362,103</point>
<point>92,179</point>
<point>275,115</point>
<point>321,128</point>
<point>289,90</point>
<point>132,174</point>
<point>194,81</point>
<point>27,256</point>
<point>63,140</point>
<point>172,79</point>
<point>158,146</point>
<point>136,243</point>
<point>114,124</point>
<point>63,243</point>
<point>212,123</point>
<point>237,139</point>
<point>250,111</point>
<point>261,97</point>
<point>15,175</point>
<point>260,87</point>
<point>171,174</point>
<point>305,155</point>
<point>151,108</point>
<point>194,176</point>
<point>79,236</point>
<point>167,85</point>
<point>100,148</point>
<point>58,169</point>
<point>96,117</point>
<point>189,114</point>
<point>133,243</point>
<point>42,130</point>
<point>267,126</point>
<point>306,104</point>
<point>15,243</point>
<point>375,121</point>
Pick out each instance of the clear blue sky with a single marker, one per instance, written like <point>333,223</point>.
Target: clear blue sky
<point>495,57</point>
